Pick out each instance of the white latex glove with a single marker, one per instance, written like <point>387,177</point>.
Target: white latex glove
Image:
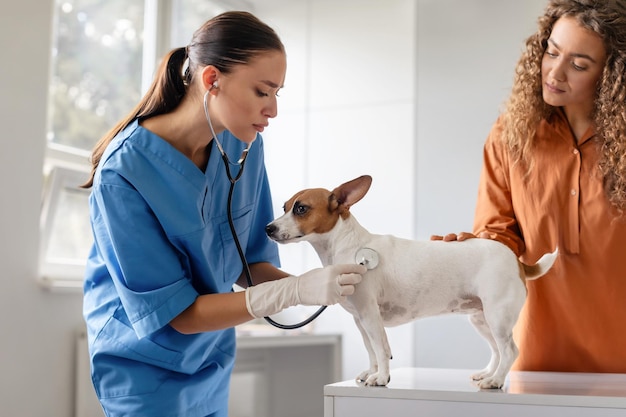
<point>321,286</point>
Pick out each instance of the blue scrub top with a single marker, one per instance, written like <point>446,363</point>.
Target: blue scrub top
<point>161,238</point>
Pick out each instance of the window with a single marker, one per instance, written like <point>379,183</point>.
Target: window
<point>65,226</point>
<point>103,57</point>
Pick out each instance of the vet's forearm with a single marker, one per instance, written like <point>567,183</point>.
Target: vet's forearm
<point>212,312</point>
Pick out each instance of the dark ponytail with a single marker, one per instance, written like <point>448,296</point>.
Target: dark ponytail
<point>229,39</point>
<point>167,89</point>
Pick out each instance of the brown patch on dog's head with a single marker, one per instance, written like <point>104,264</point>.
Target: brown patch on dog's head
<point>313,210</point>
<point>316,210</point>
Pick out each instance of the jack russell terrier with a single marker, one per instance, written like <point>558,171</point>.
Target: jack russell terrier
<point>409,279</point>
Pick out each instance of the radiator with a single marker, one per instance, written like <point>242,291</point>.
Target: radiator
<point>86,403</point>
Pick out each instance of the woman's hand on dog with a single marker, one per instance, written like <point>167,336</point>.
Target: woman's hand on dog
<point>461,236</point>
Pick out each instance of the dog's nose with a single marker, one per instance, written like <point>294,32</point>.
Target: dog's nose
<point>270,229</point>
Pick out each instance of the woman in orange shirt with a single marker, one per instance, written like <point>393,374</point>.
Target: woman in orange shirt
<point>554,175</point>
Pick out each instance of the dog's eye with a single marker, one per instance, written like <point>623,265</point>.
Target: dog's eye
<point>300,209</point>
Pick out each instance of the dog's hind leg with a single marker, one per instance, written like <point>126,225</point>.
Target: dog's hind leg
<point>501,319</point>
<point>480,324</point>
<point>508,354</point>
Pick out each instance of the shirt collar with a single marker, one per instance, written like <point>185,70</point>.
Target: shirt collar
<point>565,129</point>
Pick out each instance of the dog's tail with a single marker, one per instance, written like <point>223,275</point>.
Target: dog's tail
<point>541,267</point>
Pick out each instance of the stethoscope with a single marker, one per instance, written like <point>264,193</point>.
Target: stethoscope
<point>233,180</point>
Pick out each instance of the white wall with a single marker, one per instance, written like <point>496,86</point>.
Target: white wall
<point>371,88</point>
<point>36,327</point>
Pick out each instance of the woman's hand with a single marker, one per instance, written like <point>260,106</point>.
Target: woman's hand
<point>462,236</point>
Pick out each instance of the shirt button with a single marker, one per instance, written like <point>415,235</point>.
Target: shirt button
<point>573,192</point>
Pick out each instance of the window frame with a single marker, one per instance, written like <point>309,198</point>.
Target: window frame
<point>59,272</point>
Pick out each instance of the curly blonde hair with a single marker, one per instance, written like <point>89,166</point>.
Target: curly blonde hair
<point>526,108</point>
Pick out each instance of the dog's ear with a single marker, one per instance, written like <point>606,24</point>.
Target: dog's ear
<point>350,192</point>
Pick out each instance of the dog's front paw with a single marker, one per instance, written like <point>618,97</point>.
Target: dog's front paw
<point>362,377</point>
<point>490,383</point>
<point>377,379</point>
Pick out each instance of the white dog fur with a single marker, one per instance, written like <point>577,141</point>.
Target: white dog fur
<point>412,279</point>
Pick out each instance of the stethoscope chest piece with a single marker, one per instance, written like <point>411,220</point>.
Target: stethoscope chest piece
<point>367,257</point>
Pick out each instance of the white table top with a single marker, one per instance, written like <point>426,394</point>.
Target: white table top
<point>537,388</point>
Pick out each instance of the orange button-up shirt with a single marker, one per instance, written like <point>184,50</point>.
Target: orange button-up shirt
<point>575,316</point>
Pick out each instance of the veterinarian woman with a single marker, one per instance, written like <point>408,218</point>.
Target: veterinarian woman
<point>158,296</point>
<point>554,174</point>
